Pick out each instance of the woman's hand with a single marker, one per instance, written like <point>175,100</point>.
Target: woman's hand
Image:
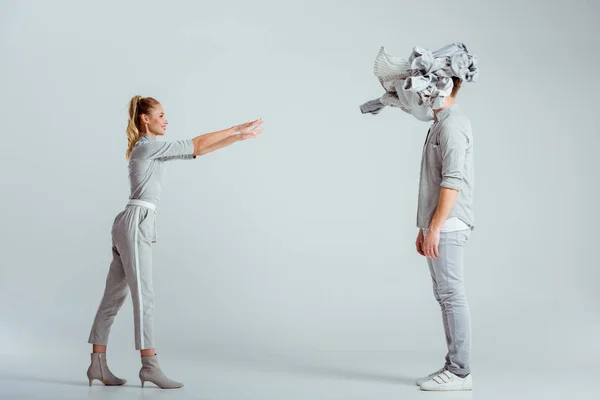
<point>249,130</point>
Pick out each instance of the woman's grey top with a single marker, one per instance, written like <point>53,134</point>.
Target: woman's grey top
<point>147,165</point>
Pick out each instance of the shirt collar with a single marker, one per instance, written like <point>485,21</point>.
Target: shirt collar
<point>147,137</point>
<point>441,115</point>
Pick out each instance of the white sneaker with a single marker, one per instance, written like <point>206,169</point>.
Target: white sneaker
<point>446,381</point>
<point>424,379</point>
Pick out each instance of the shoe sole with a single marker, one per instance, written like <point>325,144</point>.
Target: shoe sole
<point>165,388</point>
<point>458,389</point>
<point>105,383</point>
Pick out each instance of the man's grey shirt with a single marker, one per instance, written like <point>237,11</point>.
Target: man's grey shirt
<point>447,161</point>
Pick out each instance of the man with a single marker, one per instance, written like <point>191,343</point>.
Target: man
<point>425,87</point>
<point>445,219</point>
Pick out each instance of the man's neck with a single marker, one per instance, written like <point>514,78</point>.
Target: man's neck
<point>449,102</point>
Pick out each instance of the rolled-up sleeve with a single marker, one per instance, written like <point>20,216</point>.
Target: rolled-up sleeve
<point>164,151</point>
<point>454,142</point>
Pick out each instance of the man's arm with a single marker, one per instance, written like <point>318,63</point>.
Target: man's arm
<point>445,204</point>
<point>446,201</point>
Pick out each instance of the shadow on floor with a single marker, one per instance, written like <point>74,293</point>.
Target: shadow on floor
<point>286,364</point>
<point>69,382</point>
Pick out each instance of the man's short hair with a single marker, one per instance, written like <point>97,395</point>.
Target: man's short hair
<point>457,84</point>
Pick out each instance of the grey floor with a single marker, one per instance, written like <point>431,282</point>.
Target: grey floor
<point>342,375</point>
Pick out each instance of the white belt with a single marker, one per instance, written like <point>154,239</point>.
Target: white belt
<point>142,203</point>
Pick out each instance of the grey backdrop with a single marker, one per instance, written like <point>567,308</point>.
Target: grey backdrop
<point>302,241</point>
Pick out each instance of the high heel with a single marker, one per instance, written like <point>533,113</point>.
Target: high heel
<point>98,369</point>
<point>151,372</point>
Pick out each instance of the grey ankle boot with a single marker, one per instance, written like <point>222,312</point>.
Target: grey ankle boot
<point>151,372</point>
<point>98,369</point>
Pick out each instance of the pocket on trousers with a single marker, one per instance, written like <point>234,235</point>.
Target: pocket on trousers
<point>146,224</point>
<point>144,214</point>
<point>462,236</point>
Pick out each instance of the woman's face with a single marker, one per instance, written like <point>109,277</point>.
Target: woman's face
<point>155,122</point>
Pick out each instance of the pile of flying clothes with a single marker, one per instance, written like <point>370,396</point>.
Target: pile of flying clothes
<point>421,84</point>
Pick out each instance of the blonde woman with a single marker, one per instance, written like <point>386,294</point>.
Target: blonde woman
<point>134,231</point>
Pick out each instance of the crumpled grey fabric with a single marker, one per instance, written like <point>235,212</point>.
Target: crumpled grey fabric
<point>372,107</point>
<point>421,83</point>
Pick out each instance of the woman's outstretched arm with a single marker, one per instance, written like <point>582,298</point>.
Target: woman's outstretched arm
<point>210,142</point>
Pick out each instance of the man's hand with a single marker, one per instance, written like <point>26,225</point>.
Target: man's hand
<point>446,202</point>
<point>419,242</point>
<point>431,243</point>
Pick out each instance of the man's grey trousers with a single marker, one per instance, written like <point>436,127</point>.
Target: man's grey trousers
<point>449,291</point>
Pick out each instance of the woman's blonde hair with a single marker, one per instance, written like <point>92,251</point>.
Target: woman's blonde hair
<point>138,105</point>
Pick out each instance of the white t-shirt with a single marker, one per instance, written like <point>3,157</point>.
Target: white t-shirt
<point>452,225</point>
